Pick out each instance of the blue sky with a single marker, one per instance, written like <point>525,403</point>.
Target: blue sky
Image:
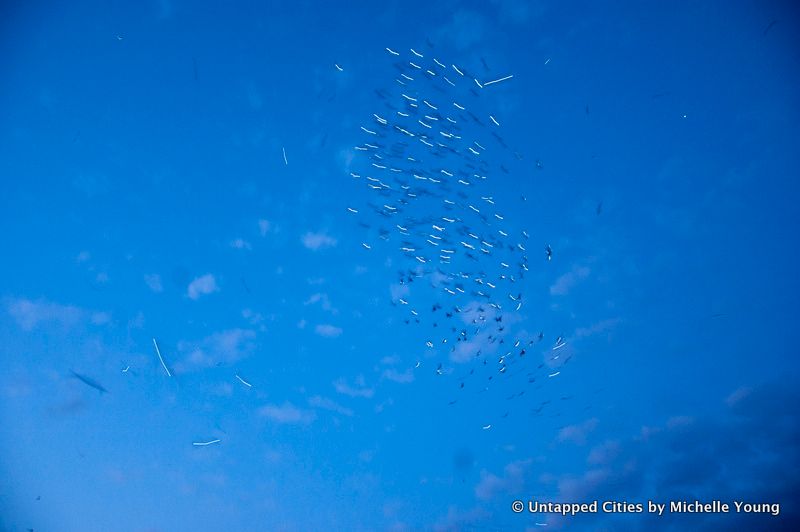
<point>146,195</point>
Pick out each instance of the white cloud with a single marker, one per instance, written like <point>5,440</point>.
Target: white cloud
<point>203,285</point>
<point>602,326</point>
<point>264,227</point>
<point>323,300</point>
<point>153,282</point>
<point>398,290</point>
<point>226,347</point>
<point>316,241</point>
<point>402,378</point>
<point>137,321</point>
<point>346,157</point>
<point>512,481</point>
<point>329,404</point>
<point>738,395</point>
<point>566,282</point>
<point>240,243</point>
<point>287,413</point>
<point>603,453</point>
<point>359,390</point>
<point>30,314</point>
<point>256,319</point>
<point>577,433</point>
<point>327,330</point>
<point>467,350</point>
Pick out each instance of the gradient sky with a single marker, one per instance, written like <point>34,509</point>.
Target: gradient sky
<point>145,195</point>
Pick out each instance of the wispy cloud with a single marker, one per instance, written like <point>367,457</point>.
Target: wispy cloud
<point>603,453</point>
<point>398,290</point>
<point>738,395</point>
<point>401,378</point>
<point>153,282</point>
<point>345,158</point>
<point>359,390</point>
<point>201,286</point>
<point>511,482</point>
<point>577,433</point>
<point>264,227</point>
<point>240,243</point>
<point>224,347</point>
<point>603,326</point>
<point>317,241</point>
<point>567,282</point>
<point>287,413</point>
<point>254,318</point>
<point>31,314</point>
<point>322,299</point>
<point>329,404</point>
<point>328,331</point>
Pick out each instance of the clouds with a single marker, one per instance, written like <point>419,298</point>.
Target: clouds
<point>359,390</point>
<point>512,481</point>
<point>398,290</point>
<point>577,433</point>
<point>328,331</point>
<point>603,453</point>
<point>329,404</point>
<point>264,227</point>
<point>224,347</point>
<point>323,300</point>
<point>566,282</point>
<point>287,413</point>
<point>318,241</point>
<point>240,243</point>
<point>600,327</point>
<point>747,451</point>
<point>482,341</point>
<point>468,349</point>
<point>201,286</point>
<point>153,282</point>
<point>400,378</point>
<point>31,314</point>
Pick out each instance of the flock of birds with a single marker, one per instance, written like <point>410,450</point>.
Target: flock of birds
<point>429,162</point>
<point>430,159</point>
